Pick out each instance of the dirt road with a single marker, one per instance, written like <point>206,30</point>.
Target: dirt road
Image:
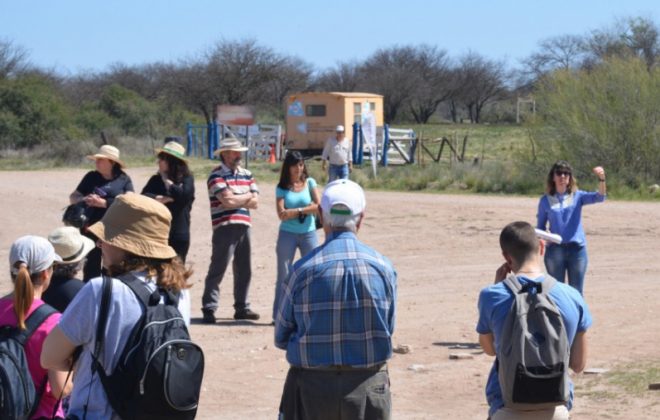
<point>445,249</point>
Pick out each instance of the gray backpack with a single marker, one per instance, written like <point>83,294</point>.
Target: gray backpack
<point>534,351</point>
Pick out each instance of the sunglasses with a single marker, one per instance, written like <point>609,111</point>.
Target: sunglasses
<point>564,173</point>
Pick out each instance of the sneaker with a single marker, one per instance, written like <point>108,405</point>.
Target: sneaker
<point>246,314</point>
<point>208,317</point>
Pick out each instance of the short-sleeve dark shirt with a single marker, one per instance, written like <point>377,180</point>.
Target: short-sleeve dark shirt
<point>61,292</point>
<point>183,194</point>
<point>93,181</point>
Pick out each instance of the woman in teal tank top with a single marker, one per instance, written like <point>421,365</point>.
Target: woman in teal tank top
<point>297,201</point>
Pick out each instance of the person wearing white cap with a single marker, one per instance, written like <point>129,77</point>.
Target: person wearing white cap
<point>174,186</point>
<point>73,248</point>
<point>339,154</point>
<point>336,319</point>
<point>98,190</point>
<point>232,193</point>
<point>31,259</point>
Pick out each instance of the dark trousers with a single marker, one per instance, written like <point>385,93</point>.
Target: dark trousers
<point>336,394</point>
<point>229,241</point>
<point>180,247</point>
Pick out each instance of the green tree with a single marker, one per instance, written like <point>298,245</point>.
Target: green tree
<point>32,112</point>
<point>132,113</point>
<point>607,116</point>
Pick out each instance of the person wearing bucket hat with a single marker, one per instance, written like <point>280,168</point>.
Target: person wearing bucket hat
<point>73,248</point>
<point>232,193</point>
<point>133,236</point>
<point>338,152</point>
<point>336,318</point>
<point>174,186</point>
<point>31,259</point>
<point>97,190</point>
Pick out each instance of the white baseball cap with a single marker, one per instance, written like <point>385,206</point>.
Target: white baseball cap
<point>339,129</point>
<point>36,252</point>
<point>346,193</point>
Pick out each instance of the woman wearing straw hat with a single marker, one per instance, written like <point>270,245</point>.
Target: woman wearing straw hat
<point>133,238</point>
<point>174,186</point>
<point>31,261</point>
<point>73,248</point>
<point>98,189</point>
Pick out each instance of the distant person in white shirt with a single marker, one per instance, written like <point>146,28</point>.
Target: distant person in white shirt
<point>338,152</point>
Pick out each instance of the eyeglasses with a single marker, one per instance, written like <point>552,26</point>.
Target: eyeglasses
<point>562,173</point>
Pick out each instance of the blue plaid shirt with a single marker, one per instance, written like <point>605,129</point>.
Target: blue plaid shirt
<point>338,306</point>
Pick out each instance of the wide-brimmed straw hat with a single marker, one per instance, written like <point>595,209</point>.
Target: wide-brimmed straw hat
<point>70,244</point>
<point>230,144</point>
<point>137,224</point>
<point>173,149</point>
<point>107,152</point>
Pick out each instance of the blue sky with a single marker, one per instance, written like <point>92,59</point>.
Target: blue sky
<point>76,35</point>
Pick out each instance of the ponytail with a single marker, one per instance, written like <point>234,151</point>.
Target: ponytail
<point>23,294</point>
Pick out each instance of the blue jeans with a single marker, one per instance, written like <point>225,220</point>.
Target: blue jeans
<point>287,243</point>
<point>337,172</point>
<point>571,258</point>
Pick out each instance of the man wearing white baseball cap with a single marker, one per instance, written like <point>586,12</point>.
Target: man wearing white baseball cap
<point>339,336</point>
<point>339,153</point>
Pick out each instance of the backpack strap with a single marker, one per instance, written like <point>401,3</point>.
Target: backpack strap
<point>548,283</point>
<point>34,321</point>
<point>146,296</point>
<point>512,282</point>
<point>102,320</point>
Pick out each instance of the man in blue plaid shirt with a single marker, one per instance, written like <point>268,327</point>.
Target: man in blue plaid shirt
<point>336,320</point>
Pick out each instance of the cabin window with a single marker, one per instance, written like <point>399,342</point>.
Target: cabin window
<point>315,110</point>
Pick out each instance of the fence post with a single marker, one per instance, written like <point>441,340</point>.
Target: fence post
<point>189,138</point>
<point>413,146</point>
<point>386,142</point>
<point>356,140</point>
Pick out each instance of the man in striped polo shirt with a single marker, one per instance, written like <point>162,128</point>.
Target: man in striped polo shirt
<point>232,193</point>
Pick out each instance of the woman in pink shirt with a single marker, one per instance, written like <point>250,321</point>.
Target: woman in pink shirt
<point>31,260</point>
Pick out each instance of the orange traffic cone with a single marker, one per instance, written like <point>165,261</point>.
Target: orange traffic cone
<point>271,158</point>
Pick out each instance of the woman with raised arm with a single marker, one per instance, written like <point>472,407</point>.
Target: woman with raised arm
<point>560,211</point>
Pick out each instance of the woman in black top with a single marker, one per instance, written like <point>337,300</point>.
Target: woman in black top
<point>73,248</point>
<point>174,186</point>
<point>98,190</point>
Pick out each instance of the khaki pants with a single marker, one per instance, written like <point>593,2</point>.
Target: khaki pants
<point>557,413</point>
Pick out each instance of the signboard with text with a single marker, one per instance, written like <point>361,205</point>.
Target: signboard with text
<point>235,114</point>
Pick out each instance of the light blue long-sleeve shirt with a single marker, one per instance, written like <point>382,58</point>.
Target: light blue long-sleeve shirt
<point>564,214</point>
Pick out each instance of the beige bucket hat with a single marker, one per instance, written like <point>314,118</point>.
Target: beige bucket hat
<point>107,152</point>
<point>137,224</point>
<point>70,244</point>
<point>230,144</point>
<point>173,148</point>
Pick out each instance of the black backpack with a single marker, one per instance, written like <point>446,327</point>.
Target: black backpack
<point>18,395</point>
<point>75,215</point>
<point>159,373</point>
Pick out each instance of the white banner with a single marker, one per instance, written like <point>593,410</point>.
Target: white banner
<point>369,132</point>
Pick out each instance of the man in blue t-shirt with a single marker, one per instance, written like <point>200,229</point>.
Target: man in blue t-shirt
<point>523,253</point>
